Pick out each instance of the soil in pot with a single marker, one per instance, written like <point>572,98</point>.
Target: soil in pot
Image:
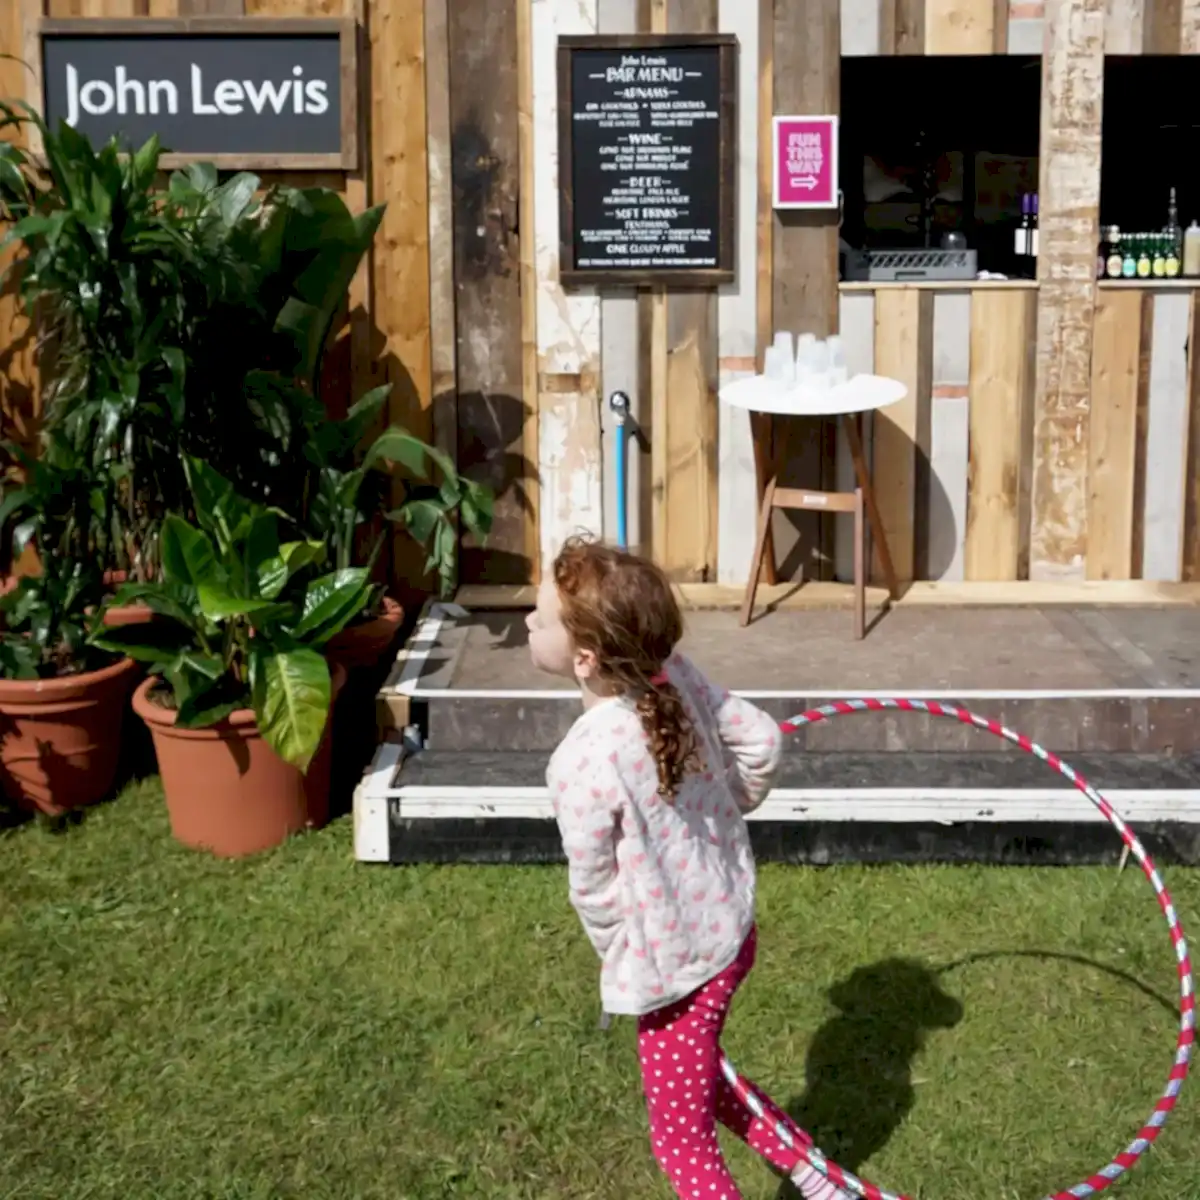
<point>60,744</point>
<point>227,791</point>
<point>360,646</point>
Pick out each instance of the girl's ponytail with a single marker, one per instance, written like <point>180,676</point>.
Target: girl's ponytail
<point>669,731</point>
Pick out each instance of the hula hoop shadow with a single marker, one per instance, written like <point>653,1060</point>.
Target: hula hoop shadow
<point>796,1139</point>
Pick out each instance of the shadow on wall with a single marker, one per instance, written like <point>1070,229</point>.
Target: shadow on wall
<point>806,541</point>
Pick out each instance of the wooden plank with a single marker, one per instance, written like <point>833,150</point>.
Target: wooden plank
<point>960,26</point>
<point>1189,34</point>
<point>806,68</point>
<point>737,316</point>
<point>903,351</point>
<point>1112,454</point>
<point>1021,593</point>
<point>220,8</point>
<point>1166,438</point>
<point>949,458</point>
<point>442,341</point>
<point>690,550</point>
<point>856,322</point>
<point>527,220</point>
<point>619,347</point>
<point>568,324</point>
<point>1163,26</point>
<point>902,26</point>
<point>1072,95</point>
<point>485,172</point>
<point>1191,506</point>
<point>1001,390</point>
<point>400,177</point>
<point>860,28</point>
<point>1124,27</point>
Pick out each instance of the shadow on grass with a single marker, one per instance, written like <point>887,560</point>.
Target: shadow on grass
<point>858,1072</point>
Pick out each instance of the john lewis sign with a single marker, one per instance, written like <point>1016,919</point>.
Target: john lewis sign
<point>240,93</point>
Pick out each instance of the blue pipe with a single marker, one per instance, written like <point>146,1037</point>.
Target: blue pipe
<point>619,403</point>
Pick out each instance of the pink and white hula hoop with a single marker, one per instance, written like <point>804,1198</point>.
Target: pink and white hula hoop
<point>795,1138</point>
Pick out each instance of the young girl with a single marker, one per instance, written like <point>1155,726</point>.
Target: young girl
<point>650,788</point>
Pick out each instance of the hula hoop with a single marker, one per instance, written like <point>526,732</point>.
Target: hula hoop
<point>796,1139</point>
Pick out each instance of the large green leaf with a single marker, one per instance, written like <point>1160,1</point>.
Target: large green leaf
<point>274,572</point>
<point>152,642</point>
<point>188,556</point>
<point>219,507</point>
<point>218,603</point>
<point>330,603</point>
<point>291,701</point>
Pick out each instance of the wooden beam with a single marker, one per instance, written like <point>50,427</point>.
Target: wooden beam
<point>1163,27</point>
<point>921,594</point>
<point>486,171</point>
<point>1191,503</point>
<point>903,351</point>
<point>961,26</point>
<point>1117,380</point>
<point>1001,408</point>
<point>1072,98</point>
<point>807,58</point>
<point>568,323</point>
<point>902,26</point>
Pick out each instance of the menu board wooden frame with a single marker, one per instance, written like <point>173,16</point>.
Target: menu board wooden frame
<point>725,183</point>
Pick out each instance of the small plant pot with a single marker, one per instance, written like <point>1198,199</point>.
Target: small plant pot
<point>125,614</point>
<point>359,647</point>
<point>227,791</point>
<point>61,740</point>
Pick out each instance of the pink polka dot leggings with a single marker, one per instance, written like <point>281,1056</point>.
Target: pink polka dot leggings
<point>686,1094</point>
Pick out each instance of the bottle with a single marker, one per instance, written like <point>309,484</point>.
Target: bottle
<point>1191,250</point>
<point>1172,265</point>
<point>1112,268</point>
<point>1158,260</point>
<point>1128,256</point>
<point>1172,227</point>
<point>1033,233</point>
<point>1021,236</point>
<point>1144,265</point>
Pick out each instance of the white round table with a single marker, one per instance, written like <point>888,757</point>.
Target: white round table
<point>766,398</point>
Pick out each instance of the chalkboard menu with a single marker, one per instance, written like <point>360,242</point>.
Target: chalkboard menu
<point>647,158</point>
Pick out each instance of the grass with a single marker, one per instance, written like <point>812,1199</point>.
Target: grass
<point>178,1028</point>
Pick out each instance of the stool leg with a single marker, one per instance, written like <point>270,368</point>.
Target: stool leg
<point>860,567</point>
<point>760,546</point>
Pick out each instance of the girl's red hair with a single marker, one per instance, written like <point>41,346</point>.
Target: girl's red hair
<point>621,608</point>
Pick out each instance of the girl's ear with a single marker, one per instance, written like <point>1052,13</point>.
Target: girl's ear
<point>586,665</point>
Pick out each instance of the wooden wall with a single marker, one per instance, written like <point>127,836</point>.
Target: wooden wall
<point>1051,428</point>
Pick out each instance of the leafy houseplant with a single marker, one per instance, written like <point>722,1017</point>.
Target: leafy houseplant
<point>239,696</point>
<point>62,698</point>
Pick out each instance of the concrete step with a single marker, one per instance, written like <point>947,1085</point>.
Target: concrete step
<point>429,805</point>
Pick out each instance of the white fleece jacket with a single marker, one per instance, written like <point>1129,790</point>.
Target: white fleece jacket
<point>665,889</point>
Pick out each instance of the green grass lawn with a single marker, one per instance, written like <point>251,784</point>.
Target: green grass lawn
<point>177,1028</point>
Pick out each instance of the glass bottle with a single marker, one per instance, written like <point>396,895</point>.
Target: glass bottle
<point>1112,268</point>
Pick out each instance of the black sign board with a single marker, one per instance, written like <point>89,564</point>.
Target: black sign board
<point>241,93</point>
<point>647,154</point>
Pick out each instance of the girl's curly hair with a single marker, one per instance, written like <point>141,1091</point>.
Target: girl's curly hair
<point>622,609</point>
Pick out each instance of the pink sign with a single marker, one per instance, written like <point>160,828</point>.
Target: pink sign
<point>806,162</point>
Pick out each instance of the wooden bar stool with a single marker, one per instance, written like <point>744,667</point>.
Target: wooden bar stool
<point>767,398</point>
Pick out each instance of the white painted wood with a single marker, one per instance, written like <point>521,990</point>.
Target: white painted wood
<point>568,323</point>
<point>619,350</point>
<point>951,338</point>
<point>948,457</point>
<point>1026,35</point>
<point>737,312</point>
<point>860,28</point>
<point>902,806</point>
<point>1124,27</point>
<point>1166,439</point>
<point>856,326</point>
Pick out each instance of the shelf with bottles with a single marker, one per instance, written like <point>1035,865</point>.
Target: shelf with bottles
<point>1162,256</point>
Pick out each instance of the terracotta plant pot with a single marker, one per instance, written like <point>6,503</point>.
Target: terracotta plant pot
<point>360,646</point>
<point>125,614</point>
<point>61,738</point>
<point>227,791</point>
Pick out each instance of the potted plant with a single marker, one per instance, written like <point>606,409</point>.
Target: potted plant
<point>347,496</point>
<point>62,697</point>
<point>239,693</point>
